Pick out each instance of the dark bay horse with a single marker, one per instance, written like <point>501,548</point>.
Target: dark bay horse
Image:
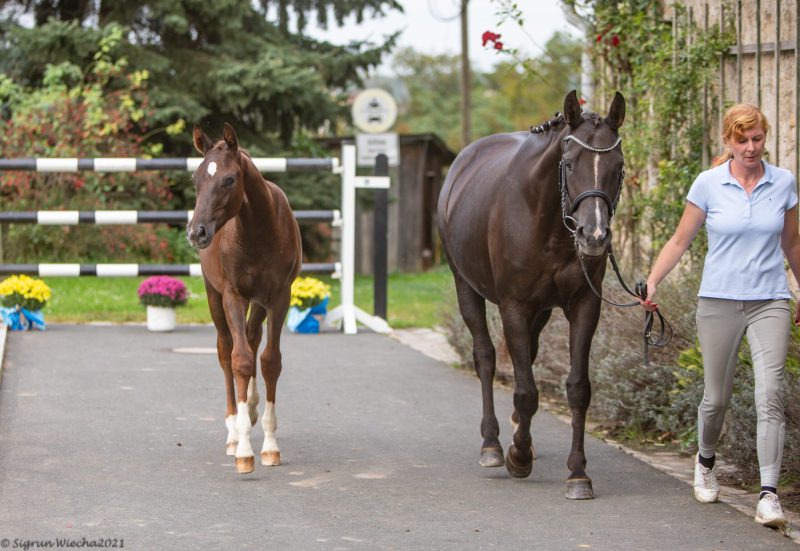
<point>515,214</point>
<point>250,253</point>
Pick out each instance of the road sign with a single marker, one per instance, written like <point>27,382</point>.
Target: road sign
<point>370,146</point>
<point>374,111</point>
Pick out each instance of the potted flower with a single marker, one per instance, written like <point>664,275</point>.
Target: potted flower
<point>309,305</point>
<point>161,294</point>
<point>22,298</point>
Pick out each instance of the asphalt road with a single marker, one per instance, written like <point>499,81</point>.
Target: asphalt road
<point>107,433</point>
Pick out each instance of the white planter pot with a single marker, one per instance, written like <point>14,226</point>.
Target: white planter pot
<point>160,318</point>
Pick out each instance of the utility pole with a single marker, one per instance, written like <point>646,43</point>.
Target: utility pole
<point>466,121</point>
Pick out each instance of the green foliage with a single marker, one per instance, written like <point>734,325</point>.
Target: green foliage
<point>208,61</point>
<point>662,72</point>
<point>91,111</point>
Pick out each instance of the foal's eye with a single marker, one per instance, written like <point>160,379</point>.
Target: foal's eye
<point>228,182</point>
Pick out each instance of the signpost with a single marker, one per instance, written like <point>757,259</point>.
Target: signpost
<point>374,113</point>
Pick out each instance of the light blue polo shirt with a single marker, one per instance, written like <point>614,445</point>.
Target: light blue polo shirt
<point>744,259</point>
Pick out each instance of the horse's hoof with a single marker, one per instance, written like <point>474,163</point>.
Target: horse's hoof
<point>579,488</point>
<point>516,470</point>
<point>271,459</point>
<point>230,448</point>
<point>245,465</point>
<point>492,457</point>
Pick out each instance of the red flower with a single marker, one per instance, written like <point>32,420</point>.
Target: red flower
<point>489,36</point>
<point>599,37</point>
<point>498,45</point>
<point>615,41</point>
<point>581,101</point>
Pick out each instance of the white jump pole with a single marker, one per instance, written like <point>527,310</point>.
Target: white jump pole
<point>347,312</point>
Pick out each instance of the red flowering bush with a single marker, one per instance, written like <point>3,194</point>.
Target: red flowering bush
<point>162,291</point>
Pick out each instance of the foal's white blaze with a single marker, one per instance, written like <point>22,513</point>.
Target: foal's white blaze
<point>212,168</point>
<point>269,422</point>
<point>243,428</point>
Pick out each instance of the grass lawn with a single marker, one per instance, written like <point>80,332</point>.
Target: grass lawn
<point>414,299</point>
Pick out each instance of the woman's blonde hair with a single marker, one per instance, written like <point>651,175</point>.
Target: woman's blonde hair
<point>738,120</point>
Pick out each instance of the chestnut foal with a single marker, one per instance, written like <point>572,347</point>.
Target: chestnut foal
<point>250,253</point>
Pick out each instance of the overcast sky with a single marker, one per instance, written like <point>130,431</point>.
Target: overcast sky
<point>433,26</point>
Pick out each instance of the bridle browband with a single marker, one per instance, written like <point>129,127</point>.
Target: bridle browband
<point>568,208</point>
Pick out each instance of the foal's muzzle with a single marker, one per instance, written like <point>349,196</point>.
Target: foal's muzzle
<point>593,240</point>
<point>199,235</point>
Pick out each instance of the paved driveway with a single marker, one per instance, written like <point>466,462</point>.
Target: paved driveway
<point>107,433</point>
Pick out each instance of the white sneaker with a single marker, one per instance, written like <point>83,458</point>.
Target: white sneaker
<point>769,512</point>
<point>706,488</point>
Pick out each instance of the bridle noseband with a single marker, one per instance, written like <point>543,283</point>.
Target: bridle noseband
<point>569,207</point>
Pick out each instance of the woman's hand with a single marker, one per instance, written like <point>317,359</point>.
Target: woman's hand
<point>648,303</point>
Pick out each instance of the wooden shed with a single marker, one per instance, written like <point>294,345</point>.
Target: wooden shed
<point>416,182</point>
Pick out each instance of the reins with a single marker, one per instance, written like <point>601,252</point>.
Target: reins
<point>640,290</point>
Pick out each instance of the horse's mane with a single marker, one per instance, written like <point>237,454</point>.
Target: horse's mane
<point>557,120</point>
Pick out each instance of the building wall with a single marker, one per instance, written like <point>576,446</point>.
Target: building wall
<point>773,86</point>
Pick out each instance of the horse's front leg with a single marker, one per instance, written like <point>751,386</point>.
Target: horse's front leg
<point>583,317</point>
<point>271,366</point>
<point>224,349</point>
<point>517,327</point>
<point>243,364</point>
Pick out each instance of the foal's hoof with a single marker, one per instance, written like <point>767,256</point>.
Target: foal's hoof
<point>579,488</point>
<point>230,448</point>
<point>245,465</point>
<point>492,457</point>
<point>271,459</point>
<point>515,469</point>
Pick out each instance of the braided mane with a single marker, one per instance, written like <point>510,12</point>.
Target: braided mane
<point>557,120</point>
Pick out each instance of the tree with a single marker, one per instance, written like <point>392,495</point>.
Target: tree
<point>208,61</point>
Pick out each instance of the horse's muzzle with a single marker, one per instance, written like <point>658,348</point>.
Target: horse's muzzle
<point>199,235</point>
<point>592,241</point>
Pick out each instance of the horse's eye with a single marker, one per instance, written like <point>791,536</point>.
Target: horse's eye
<point>228,182</point>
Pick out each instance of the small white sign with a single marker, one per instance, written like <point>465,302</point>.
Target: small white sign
<point>373,182</point>
<point>369,146</point>
<point>374,111</point>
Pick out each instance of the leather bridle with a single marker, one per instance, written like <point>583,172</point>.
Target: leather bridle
<point>568,208</point>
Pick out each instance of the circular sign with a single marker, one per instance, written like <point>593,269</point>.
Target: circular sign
<point>374,111</point>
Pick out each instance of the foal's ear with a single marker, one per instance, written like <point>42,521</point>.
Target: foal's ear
<point>201,142</point>
<point>229,135</point>
<point>572,110</point>
<point>616,113</point>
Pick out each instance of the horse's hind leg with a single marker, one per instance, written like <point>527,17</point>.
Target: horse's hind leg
<point>473,311</point>
<point>271,366</point>
<point>224,349</point>
<point>583,320</point>
<point>254,332</point>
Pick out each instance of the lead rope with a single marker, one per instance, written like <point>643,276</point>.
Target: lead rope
<point>640,291</point>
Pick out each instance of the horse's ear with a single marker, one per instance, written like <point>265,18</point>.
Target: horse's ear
<point>201,142</point>
<point>229,135</point>
<point>616,113</point>
<point>572,110</point>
